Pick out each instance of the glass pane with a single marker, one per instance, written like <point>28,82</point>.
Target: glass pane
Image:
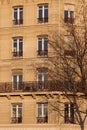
<point>46,13</point>
<point>14,78</point>
<point>14,111</point>
<point>15,46</point>
<point>15,14</point>
<point>71,14</point>
<point>45,110</point>
<point>20,46</point>
<point>39,110</point>
<point>45,44</point>
<point>20,78</point>
<point>40,44</point>
<point>45,77</point>
<point>20,112</point>
<point>40,13</point>
<point>66,14</point>
<point>21,13</point>
<point>39,77</point>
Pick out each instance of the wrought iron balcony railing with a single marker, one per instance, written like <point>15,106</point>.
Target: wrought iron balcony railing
<point>42,20</point>
<point>16,120</point>
<point>42,52</point>
<point>42,119</point>
<point>69,20</point>
<point>35,86</point>
<point>17,53</point>
<point>17,21</point>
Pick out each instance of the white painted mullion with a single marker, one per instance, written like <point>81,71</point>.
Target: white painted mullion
<point>69,110</point>
<point>42,43</point>
<point>42,77</point>
<point>17,111</point>
<point>42,110</point>
<point>43,11</point>
<point>18,12</point>
<point>17,45</point>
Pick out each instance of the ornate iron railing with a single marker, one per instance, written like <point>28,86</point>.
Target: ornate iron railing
<point>42,119</point>
<point>34,86</point>
<point>16,120</point>
<point>17,21</point>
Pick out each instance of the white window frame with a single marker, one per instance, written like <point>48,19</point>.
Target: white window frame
<point>18,41</point>
<point>69,111</point>
<point>17,76</point>
<point>43,10</point>
<point>18,12</point>
<point>42,39</point>
<point>42,74</point>
<point>42,107</point>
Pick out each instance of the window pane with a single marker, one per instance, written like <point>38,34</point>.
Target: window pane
<point>40,12</point>
<point>14,112</point>
<point>71,14</point>
<point>72,113</point>
<point>14,78</point>
<point>45,77</point>
<point>46,44</point>
<point>20,44</point>
<point>39,77</point>
<point>66,112</point>
<point>66,14</point>
<point>20,112</point>
<point>46,13</point>
<point>15,14</point>
<point>45,110</point>
<point>39,110</point>
<point>40,44</point>
<point>21,13</point>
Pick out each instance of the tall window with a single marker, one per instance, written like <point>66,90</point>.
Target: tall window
<point>69,13</point>
<point>17,47</point>
<point>17,15</point>
<point>16,116</point>
<point>42,46</point>
<point>69,112</point>
<point>17,82</point>
<point>43,13</point>
<point>42,113</point>
<point>42,77</point>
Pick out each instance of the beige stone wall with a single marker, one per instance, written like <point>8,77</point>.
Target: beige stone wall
<point>29,31</point>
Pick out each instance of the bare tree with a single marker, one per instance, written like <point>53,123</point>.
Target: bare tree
<point>69,62</point>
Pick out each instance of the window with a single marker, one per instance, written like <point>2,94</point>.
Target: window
<point>18,47</point>
<point>42,46</point>
<point>17,82</point>
<point>43,13</point>
<point>70,50</point>
<point>69,112</point>
<point>16,113</point>
<point>69,13</point>
<point>42,77</point>
<point>42,113</point>
<point>17,15</point>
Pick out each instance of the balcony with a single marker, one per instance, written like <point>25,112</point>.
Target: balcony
<point>28,86</point>
<point>17,53</point>
<point>42,53</point>
<point>42,119</point>
<point>36,86</point>
<point>16,120</point>
<point>42,20</point>
<point>69,20</point>
<point>17,21</point>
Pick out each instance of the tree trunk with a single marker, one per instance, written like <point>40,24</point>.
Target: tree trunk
<point>82,127</point>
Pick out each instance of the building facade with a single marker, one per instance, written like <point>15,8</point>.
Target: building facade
<point>25,90</point>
